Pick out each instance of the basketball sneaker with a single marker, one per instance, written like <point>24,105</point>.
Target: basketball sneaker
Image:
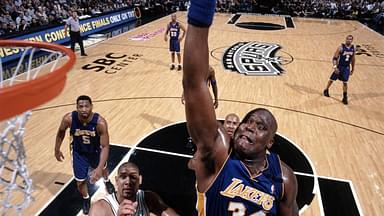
<point>345,100</point>
<point>326,93</point>
<point>86,205</point>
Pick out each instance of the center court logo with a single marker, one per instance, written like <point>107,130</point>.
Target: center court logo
<point>255,58</point>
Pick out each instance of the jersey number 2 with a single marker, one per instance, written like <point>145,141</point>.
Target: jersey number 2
<point>347,57</point>
<point>238,209</point>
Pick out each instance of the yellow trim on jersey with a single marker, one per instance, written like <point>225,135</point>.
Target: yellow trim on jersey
<point>201,200</point>
<point>261,172</point>
<point>218,173</point>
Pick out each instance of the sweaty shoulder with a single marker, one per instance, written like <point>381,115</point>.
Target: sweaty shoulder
<point>289,181</point>
<point>68,117</point>
<point>101,120</point>
<point>287,172</point>
<point>288,204</point>
<point>102,125</point>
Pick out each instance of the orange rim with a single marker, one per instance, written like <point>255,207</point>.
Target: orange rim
<point>21,97</point>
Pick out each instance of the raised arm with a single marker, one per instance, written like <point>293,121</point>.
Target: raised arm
<point>288,205</point>
<point>200,113</point>
<point>65,123</point>
<point>102,129</point>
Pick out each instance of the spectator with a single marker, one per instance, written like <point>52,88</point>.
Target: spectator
<point>34,24</point>
<point>23,25</point>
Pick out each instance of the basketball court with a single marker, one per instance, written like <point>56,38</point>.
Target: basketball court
<point>335,149</point>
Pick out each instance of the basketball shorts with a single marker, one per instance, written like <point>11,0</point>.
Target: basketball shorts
<point>343,75</point>
<point>82,162</point>
<point>174,46</point>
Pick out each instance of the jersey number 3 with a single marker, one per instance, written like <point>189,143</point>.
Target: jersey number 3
<point>238,209</point>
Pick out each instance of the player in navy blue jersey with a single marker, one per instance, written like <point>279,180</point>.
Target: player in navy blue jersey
<point>173,29</point>
<point>238,178</point>
<point>342,60</point>
<point>89,146</point>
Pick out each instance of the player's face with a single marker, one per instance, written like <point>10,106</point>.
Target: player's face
<point>253,136</point>
<point>84,108</point>
<point>230,124</point>
<point>173,17</point>
<point>128,182</point>
<point>349,40</point>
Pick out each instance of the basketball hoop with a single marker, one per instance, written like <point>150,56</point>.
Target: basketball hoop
<point>35,76</point>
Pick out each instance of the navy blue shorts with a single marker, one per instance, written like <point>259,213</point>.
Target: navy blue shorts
<point>82,162</point>
<point>343,75</point>
<point>174,46</point>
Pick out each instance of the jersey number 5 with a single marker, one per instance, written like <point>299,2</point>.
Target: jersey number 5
<point>86,140</point>
<point>238,209</point>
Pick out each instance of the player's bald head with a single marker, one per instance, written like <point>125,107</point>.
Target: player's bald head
<point>268,116</point>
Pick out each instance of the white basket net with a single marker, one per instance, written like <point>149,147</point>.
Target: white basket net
<point>15,182</point>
